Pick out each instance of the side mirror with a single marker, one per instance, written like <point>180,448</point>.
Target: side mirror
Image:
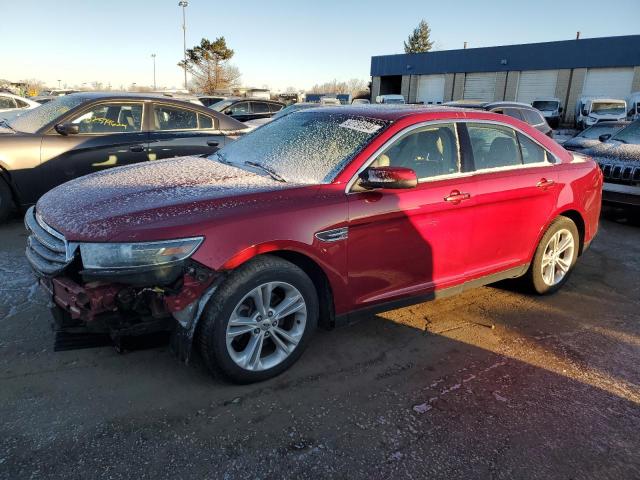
<point>388,177</point>
<point>560,109</point>
<point>584,112</point>
<point>67,129</point>
<point>604,137</point>
<point>228,112</point>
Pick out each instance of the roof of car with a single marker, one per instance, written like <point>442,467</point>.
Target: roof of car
<point>389,112</point>
<point>478,104</point>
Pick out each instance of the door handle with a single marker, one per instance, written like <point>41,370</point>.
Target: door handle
<point>136,148</point>
<point>456,196</point>
<point>213,143</point>
<point>544,183</point>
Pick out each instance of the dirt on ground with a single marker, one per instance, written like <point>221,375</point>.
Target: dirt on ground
<point>492,383</point>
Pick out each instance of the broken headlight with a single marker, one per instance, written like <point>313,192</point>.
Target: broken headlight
<point>132,255</point>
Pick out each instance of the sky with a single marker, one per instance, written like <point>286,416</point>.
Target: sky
<point>277,43</point>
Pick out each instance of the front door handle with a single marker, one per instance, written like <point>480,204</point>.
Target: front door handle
<point>457,196</point>
<point>213,143</point>
<point>544,183</point>
<point>136,148</point>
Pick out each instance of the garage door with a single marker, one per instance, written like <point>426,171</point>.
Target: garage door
<point>608,82</point>
<point>430,89</point>
<point>480,86</point>
<point>536,84</point>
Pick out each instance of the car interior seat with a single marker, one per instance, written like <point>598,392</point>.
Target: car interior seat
<point>502,152</point>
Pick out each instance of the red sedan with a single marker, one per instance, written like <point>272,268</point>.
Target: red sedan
<point>314,218</point>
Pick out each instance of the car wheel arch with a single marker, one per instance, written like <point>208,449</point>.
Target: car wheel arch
<point>311,266</point>
<point>575,216</point>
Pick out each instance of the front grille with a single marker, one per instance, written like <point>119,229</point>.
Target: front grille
<point>624,174</point>
<point>47,250</point>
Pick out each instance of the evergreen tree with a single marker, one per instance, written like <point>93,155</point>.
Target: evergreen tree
<point>420,40</point>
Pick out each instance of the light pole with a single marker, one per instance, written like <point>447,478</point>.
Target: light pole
<point>153,55</point>
<point>59,83</point>
<point>184,4</point>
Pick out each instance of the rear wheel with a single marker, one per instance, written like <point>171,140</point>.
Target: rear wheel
<point>259,321</point>
<point>555,256</point>
<point>6,202</point>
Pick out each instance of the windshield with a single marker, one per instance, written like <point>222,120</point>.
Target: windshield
<point>629,134</point>
<point>393,100</point>
<point>609,108</point>
<point>308,147</point>
<point>598,129</point>
<point>221,105</point>
<point>293,108</point>
<point>544,105</point>
<point>33,120</point>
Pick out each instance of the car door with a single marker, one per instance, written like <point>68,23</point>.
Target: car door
<point>241,111</point>
<point>110,134</point>
<point>409,242</point>
<point>514,191</point>
<point>178,131</point>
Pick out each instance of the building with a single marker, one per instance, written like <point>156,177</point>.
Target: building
<point>605,67</point>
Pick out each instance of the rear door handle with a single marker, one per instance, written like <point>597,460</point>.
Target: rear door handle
<point>456,196</point>
<point>136,148</point>
<point>544,183</point>
<point>213,143</point>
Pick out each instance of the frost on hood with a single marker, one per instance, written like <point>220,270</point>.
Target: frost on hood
<point>146,192</point>
<point>579,142</point>
<point>307,147</point>
<point>622,152</point>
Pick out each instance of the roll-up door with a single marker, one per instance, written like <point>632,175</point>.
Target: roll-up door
<point>430,89</point>
<point>536,84</point>
<point>480,86</point>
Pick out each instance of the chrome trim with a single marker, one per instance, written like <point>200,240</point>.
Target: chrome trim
<point>416,126</point>
<point>47,250</point>
<point>333,235</point>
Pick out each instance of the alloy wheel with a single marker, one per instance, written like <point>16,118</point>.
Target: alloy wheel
<point>266,326</point>
<point>558,257</point>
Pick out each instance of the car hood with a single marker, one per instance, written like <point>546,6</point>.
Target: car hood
<point>159,194</point>
<point>616,151</point>
<point>579,143</point>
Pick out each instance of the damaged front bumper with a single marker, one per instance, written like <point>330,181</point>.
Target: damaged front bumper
<point>119,303</point>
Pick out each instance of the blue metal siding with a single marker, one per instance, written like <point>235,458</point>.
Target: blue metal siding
<point>585,53</point>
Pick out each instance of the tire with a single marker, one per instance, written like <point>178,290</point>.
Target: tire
<point>228,349</point>
<point>6,201</point>
<point>558,266</point>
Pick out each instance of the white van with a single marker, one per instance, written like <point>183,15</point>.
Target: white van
<point>591,110</point>
<point>551,109</point>
<point>633,106</point>
<point>390,98</point>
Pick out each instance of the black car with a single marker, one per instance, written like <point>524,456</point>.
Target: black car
<point>593,135</point>
<point>82,133</point>
<point>619,159</point>
<point>244,109</point>
<point>521,111</point>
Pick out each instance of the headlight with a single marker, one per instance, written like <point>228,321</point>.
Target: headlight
<point>131,255</point>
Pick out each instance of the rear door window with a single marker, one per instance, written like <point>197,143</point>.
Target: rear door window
<point>493,146</point>
<point>259,107</point>
<point>532,117</point>
<point>7,102</point>
<point>174,118</point>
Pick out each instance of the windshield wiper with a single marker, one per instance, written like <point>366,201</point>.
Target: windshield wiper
<point>271,173</point>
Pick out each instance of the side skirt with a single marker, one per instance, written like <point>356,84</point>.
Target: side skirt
<point>354,316</point>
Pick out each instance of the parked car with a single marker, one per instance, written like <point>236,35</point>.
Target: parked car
<point>330,101</point>
<point>82,133</point>
<point>619,159</point>
<point>389,98</point>
<point>521,111</point>
<point>42,99</point>
<point>11,103</point>
<point>590,137</point>
<point>295,107</point>
<point>314,218</point>
<point>590,111</point>
<point>360,101</point>
<point>633,106</point>
<point>551,109</point>
<point>184,96</point>
<point>244,109</point>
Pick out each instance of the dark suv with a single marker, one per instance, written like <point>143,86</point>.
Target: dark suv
<point>244,109</point>
<point>521,111</point>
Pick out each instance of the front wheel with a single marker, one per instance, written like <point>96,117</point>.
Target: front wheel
<point>259,321</point>
<point>555,256</point>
